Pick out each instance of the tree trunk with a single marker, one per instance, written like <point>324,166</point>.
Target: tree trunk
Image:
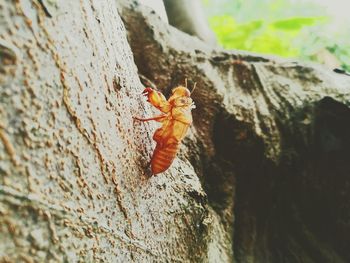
<point>73,182</point>
<point>270,142</point>
<point>269,145</point>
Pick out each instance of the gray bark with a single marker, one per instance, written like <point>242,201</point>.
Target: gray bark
<point>262,172</point>
<point>72,161</point>
<point>270,142</point>
<point>189,17</point>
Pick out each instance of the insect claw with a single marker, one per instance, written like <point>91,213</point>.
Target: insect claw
<point>146,91</point>
<point>135,118</point>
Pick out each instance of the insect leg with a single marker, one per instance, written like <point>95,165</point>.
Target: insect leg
<point>156,118</point>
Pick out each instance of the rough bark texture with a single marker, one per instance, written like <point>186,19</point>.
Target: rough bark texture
<point>269,144</point>
<point>72,161</point>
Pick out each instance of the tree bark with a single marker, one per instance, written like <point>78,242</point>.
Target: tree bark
<point>73,164</point>
<point>188,16</point>
<point>269,144</point>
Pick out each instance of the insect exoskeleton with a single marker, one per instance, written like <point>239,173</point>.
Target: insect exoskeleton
<point>175,120</point>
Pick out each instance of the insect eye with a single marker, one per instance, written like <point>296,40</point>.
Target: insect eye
<point>183,101</point>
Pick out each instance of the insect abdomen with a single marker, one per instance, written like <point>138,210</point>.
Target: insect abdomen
<point>163,157</point>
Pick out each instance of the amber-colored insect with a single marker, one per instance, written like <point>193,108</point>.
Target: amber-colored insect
<point>176,119</point>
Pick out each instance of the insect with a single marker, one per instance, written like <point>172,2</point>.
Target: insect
<point>176,118</point>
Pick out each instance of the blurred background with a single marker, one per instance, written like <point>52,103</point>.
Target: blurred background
<point>311,30</point>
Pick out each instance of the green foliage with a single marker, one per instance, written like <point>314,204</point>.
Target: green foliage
<point>343,54</point>
<point>280,27</point>
<point>261,36</point>
<point>296,23</point>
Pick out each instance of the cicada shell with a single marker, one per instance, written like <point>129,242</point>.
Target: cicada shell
<point>175,120</point>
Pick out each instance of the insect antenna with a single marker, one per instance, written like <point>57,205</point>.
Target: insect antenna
<point>147,82</point>
<point>194,87</point>
<point>186,83</point>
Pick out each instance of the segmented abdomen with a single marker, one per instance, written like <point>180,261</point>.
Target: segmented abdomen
<point>163,157</point>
